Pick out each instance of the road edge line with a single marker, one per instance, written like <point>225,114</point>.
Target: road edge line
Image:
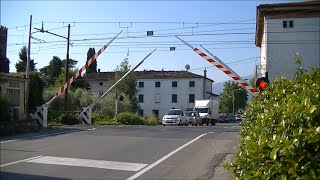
<point>23,160</point>
<point>163,158</point>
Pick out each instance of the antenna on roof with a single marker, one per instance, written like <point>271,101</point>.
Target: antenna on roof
<point>187,66</point>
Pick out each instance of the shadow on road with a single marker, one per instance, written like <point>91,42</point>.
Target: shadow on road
<point>17,176</point>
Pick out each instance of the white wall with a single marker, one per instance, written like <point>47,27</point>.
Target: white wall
<point>165,91</point>
<point>281,56</point>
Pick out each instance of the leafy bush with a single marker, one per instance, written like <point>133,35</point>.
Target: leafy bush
<point>152,120</point>
<point>127,118</point>
<point>280,138</point>
<point>69,119</point>
<point>4,107</point>
<point>101,119</point>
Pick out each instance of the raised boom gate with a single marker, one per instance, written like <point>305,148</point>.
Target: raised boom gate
<point>215,61</point>
<point>42,111</point>
<point>86,112</point>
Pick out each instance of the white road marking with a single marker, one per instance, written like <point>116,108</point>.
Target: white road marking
<point>124,166</point>
<point>210,132</point>
<point>44,135</point>
<point>15,162</point>
<point>92,129</point>
<point>163,158</point>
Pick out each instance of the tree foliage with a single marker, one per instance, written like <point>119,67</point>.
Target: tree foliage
<point>93,67</point>
<point>226,98</point>
<point>51,72</point>
<point>21,64</point>
<point>36,87</point>
<point>4,64</point>
<point>128,85</point>
<point>280,138</point>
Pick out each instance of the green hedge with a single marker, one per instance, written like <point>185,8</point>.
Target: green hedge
<point>101,119</point>
<point>69,119</point>
<point>127,118</point>
<point>280,138</point>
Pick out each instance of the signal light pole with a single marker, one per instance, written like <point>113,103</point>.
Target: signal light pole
<point>67,60</point>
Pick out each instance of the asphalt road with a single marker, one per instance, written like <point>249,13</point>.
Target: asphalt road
<point>118,152</point>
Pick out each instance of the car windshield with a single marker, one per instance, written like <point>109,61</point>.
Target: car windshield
<point>191,113</point>
<point>201,110</point>
<point>174,112</point>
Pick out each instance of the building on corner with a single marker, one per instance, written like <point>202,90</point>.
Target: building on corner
<point>159,91</point>
<point>285,30</point>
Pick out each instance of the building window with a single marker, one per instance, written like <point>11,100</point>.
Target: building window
<point>174,84</point>
<point>157,84</point>
<point>101,83</point>
<point>290,24</point>
<point>191,83</point>
<point>157,98</point>
<point>100,93</point>
<point>174,98</point>
<point>141,84</point>
<point>191,98</point>
<point>284,24</point>
<point>155,113</point>
<point>140,112</point>
<point>140,98</point>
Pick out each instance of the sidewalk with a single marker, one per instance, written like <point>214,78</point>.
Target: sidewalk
<point>219,172</point>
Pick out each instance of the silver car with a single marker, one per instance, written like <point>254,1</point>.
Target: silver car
<point>194,118</point>
<point>175,117</point>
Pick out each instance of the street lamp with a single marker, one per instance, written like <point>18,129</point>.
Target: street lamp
<point>67,60</point>
<point>233,99</point>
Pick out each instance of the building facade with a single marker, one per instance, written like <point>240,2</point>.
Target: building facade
<point>15,89</point>
<point>159,91</point>
<point>285,30</point>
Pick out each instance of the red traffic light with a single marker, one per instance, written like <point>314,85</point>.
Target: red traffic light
<point>261,83</point>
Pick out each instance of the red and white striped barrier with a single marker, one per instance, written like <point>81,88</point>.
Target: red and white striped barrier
<point>224,68</point>
<point>88,63</point>
<point>42,111</point>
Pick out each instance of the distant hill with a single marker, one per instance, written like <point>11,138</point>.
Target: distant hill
<point>217,88</point>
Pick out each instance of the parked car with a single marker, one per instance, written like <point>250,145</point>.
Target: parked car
<point>238,118</point>
<point>231,119</point>
<point>175,117</point>
<point>194,118</point>
<point>223,119</point>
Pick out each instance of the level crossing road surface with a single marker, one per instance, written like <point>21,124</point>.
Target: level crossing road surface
<point>117,152</point>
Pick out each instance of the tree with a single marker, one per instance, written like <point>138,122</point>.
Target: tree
<point>93,67</point>
<point>4,61</point>
<point>72,63</point>
<point>128,85</point>
<point>21,64</point>
<point>36,86</point>
<point>226,98</point>
<point>51,72</point>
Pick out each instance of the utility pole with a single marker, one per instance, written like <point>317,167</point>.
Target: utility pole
<point>67,72</point>
<point>26,95</point>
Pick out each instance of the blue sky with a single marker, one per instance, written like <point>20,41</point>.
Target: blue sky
<point>226,28</point>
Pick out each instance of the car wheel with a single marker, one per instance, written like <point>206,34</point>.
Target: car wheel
<point>179,123</point>
<point>187,123</point>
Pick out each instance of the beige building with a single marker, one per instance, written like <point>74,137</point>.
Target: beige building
<point>15,87</point>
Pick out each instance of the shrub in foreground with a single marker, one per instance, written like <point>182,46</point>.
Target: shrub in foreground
<point>280,138</point>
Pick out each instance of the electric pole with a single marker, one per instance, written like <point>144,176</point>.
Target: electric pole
<point>67,60</point>
<point>26,95</point>
<point>67,72</point>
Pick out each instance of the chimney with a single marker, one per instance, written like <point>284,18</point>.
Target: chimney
<point>98,70</point>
